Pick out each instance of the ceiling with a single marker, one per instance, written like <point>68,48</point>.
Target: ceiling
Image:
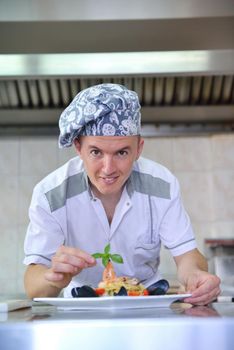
<point>56,26</point>
<point>177,55</point>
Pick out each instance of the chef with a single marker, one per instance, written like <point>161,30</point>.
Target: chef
<point>109,194</point>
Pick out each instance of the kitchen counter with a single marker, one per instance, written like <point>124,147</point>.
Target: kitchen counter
<point>178,327</point>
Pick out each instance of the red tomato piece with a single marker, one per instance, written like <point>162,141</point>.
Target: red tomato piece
<point>133,293</point>
<point>100,291</point>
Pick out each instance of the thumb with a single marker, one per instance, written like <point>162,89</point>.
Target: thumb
<point>52,276</point>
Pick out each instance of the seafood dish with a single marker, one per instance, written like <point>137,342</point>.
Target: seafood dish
<point>111,285</point>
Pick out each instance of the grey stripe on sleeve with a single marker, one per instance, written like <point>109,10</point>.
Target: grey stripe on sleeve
<point>148,184</point>
<point>41,256</point>
<point>180,244</point>
<point>69,188</point>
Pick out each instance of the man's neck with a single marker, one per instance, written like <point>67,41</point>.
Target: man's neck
<point>109,201</point>
<point>111,198</point>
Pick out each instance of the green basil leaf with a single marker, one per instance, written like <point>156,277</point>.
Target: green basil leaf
<point>105,260</point>
<point>97,255</point>
<point>116,258</point>
<point>107,249</point>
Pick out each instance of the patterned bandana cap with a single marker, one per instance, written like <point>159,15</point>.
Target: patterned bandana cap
<point>101,110</point>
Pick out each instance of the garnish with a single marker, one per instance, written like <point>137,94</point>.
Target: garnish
<point>106,256</point>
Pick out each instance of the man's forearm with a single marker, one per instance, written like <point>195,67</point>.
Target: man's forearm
<point>35,283</point>
<point>188,263</point>
<point>192,273</point>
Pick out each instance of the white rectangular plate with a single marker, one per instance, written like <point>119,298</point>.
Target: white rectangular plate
<point>120,302</point>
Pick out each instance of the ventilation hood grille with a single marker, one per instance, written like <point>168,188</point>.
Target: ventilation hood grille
<point>215,90</point>
<point>178,57</point>
<point>153,92</point>
<point>178,104</point>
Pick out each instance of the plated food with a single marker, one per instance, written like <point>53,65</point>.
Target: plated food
<point>112,285</point>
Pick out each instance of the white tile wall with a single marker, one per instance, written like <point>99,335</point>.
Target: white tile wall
<point>222,152</point>
<point>191,154</point>
<point>65,154</point>
<point>159,150</point>
<point>223,194</point>
<point>20,267</point>
<point>26,184</point>
<point>9,253</point>
<point>38,156</point>
<point>196,190</point>
<point>224,229</point>
<point>203,165</point>
<point>9,200</point>
<point>203,229</point>
<point>9,156</point>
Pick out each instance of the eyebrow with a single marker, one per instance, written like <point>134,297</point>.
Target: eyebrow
<point>99,149</point>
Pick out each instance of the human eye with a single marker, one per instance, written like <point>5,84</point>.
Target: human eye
<point>95,152</point>
<point>123,153</point>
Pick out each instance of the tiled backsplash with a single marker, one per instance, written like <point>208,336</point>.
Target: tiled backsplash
<point>204,166</point>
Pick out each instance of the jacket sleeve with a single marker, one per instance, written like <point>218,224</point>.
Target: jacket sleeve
<point>44,234</point>
<point>176,231</point>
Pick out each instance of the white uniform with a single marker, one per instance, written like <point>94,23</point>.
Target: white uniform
<point>150,212</point>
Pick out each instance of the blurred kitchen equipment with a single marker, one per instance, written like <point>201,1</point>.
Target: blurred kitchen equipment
<point>220,254</point>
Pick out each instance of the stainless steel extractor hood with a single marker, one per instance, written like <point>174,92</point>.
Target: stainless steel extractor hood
<point>179,59</point>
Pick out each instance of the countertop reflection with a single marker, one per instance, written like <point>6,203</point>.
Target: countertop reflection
<point>41,312</point>
<point>178,327</point>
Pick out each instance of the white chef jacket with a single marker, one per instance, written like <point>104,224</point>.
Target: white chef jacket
<point>63,210</point>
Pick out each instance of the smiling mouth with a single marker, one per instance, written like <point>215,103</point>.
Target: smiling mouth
<point>109,180</point>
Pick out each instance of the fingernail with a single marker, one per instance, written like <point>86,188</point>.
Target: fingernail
<point>91,260</point>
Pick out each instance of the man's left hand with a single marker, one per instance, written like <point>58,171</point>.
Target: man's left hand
<point>204,288</point>
<point>192,272</point>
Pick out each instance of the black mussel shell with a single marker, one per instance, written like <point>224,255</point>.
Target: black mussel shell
<point>158,288</point>
<point>83,292</point>
<point>121,292</point>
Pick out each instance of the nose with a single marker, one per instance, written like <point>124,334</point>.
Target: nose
<point>108,166</point>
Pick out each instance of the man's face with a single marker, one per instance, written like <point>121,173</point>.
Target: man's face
<point>108,160</point>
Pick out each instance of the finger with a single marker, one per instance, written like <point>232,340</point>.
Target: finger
<point>89,259</point>
<point>69,260</point>
<point>53,276</point>
<point>205,298</point>
<point>64,267</point>
<point>206,287</point>
<point>68,264</point>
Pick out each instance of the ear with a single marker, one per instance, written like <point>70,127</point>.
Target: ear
<point>140,147</point>
<point>77,146</point>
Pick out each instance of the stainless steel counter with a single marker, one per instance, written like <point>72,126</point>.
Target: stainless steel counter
<point>178,327</point>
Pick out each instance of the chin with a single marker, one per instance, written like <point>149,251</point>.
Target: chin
<point>105,190</point>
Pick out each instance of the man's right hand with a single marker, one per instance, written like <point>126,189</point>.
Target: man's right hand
<point>41,281</point>
<point>66,263</point>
